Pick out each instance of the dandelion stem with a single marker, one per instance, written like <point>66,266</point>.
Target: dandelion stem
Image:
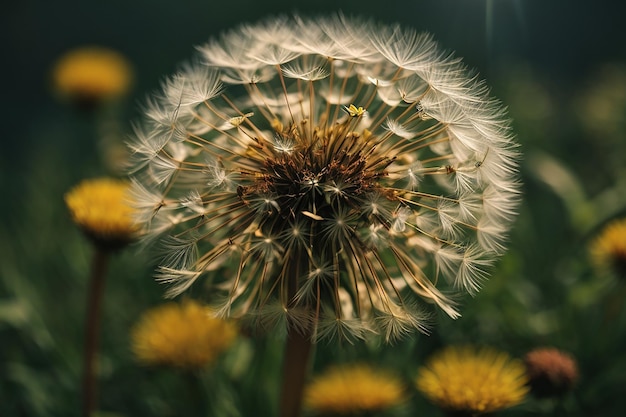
<point>92,329</point>
<point>198,400</point>
<point>296,362</point>
<point>559,407</point>
<point>295,366</point>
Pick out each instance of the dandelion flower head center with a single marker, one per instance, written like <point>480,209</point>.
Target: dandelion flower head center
<point>339,167</point>
<point>318,177</point>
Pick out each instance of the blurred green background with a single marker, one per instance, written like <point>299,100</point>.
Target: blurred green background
<point>560,67</point>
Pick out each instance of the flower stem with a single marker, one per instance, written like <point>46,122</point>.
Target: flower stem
<point>296,359</point>
<point>198,401</point>
<point>92,329</point>
<point>295,366</point>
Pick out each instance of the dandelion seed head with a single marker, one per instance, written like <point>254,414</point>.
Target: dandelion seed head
<point>551,372</point>
<point>332,170</point>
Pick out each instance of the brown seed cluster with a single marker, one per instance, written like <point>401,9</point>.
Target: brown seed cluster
<point>551,372</point>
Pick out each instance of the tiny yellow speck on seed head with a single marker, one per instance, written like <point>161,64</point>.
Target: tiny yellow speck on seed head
<point>473,381</point>
<point>90,75</point>
<point>101,208</point>
<point>355,111</point>
<point>353,389</point>
<point>184,336</point>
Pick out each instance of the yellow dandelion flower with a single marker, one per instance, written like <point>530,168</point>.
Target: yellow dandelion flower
<point>551,372</point>
<point>101,208</point>
<point>353,388</point>
<point>473,381</point>
<point>185,335</point>
<point>608,249</point>
<point>89,75</point>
